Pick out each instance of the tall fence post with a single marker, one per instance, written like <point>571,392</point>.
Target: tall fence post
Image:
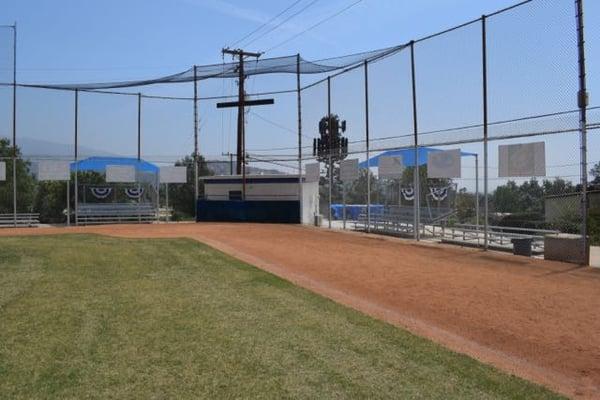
<point>329,146</point>
<point>299,103</point>
<point>367,145</point>
<point>14,125</point>
<point>477,192</point>
<point>69,201</point>
<point>195,141</point>
<point>76,150</point>
<point>416,177</point>
<point>139,126</point>
<point>582,101</point>
<point>139,152</point>
<point>485,132</point>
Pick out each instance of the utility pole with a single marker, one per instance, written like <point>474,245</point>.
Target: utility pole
<point>230,155</point>
<point>240,54</point>
<point>241,105</point>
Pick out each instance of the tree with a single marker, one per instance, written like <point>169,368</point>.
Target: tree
<point>51,201</point>
<point>51,197</point>
<point>357,191</point>
<point>558,186</point>
<point>532,196</point>
<point>595,172</point>
<point>506,198</point>
<point>465,206</point>
<point>25,181</point>
<point>181,196</point>
<point>526,203</point>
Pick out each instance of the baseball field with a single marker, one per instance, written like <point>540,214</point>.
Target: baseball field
<point>271,311</point>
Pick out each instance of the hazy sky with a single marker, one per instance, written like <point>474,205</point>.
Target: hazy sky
<point>532,67</point>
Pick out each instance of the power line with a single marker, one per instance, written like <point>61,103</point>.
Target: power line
<point>285,128</point>
<point>282,22</point>
<point>266,23</point>
<point>315,25</point>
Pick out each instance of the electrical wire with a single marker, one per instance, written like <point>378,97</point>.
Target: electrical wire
<point>283,22</point>
<point>315,25</point>
<point>266,23</point>
<point>285,128</point>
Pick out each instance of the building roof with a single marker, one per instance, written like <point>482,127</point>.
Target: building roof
<point>251,178</point>
<point>408,156</point>
<point>98,164</point>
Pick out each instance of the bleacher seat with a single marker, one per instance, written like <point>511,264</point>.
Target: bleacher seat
<point>114,213</point>
<point>22,219</point>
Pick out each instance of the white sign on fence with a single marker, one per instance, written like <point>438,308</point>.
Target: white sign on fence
<point>349,170</point>
<point>2,171</point>
<point>390,167</point>
<point>525,159</point>
<point>313,172</point>
<point>444,164</point>
<point>53,170</point>
<point>120,173</point>
<point>173,174</point>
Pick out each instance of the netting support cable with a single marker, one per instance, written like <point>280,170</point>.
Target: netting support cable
<point>14,125</point>
<point>195,141</point>
<point>150,96</point>
<point>367,145</point>
<point>417,184</point>
<point>299,103</point>
<point>342,72</point>
<point>485,131</point>
<point>582,103</point>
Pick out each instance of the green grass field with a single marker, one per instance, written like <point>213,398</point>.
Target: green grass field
<point>85,316</point>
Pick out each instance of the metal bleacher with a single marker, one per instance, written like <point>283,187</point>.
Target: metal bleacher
<point>22,220</point>
<point>499,237</point>
<point>115,213</point>
<point>398,220</point>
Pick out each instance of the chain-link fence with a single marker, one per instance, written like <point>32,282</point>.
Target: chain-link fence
<point>471,135</point>
<point>500,94</point>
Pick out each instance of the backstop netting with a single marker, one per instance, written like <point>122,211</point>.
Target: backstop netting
<point>471,134</point>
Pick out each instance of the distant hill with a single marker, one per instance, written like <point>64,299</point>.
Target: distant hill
<point>35,148</point>
<point>32,148</point>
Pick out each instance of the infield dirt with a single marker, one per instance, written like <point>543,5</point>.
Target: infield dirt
<point>536,319</point>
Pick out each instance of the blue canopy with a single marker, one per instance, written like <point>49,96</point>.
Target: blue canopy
<point>98,164</point>
<point>408,156</point>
